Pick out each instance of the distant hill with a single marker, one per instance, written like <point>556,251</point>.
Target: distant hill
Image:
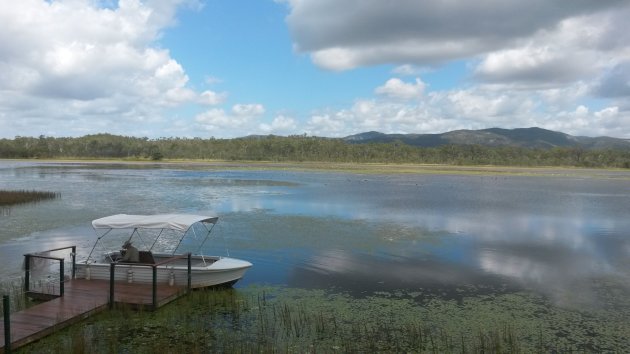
<point>520,137</point>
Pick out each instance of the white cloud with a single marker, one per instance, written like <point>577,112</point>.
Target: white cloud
<point>177,95</point>
<point>557,98</point>
<point>241,120</point>
<point>248,110</point>
<point>80,65</point>
<point>408,70</point>
<point>214,117</point>
<point>327,125</point>
<point>533,63</point>
<point>342,35</point>
<point>88,68</point>
<point>211,80</point>
<point>533,66</point>
<point>608,121</point>
<point>382,116</point>
<point>576,49</point>
<point>212,98</point>
<point>483,106</point>
<point>281,125</point>
<point>477,107</point>
<point>398,89</point>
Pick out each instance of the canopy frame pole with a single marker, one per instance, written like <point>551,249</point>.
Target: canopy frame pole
<point>203,258</point>
<point>179,243</point>
<point>136,231</point>
<point>96,243</point>
<point>156,239</point>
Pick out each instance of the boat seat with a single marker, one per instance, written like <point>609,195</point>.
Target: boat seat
<point>146,257</point>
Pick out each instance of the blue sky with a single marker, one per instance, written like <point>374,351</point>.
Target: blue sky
<point>244,51</point>
<point>208,68</point>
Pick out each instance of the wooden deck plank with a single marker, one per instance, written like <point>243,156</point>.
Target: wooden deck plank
<point>81,299</point>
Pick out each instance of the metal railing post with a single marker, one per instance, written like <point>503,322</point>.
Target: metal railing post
<point>74,261</point>
<point>27,272</point>
<point>111,284</point>
<point>189,271</point>
<point>154,295</point>
<point>6,309</point>
<point>61,278</point>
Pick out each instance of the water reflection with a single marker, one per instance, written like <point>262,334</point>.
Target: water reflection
<point>354,232</point>
<point>359,273</point>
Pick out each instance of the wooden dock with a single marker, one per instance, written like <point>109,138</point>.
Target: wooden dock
<point>82,298</point>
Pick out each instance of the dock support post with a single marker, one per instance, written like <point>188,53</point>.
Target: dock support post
<point>154,292</point>
<point>74,261</point>
<point>189,271</point>
<point>111,284</point>
<point>61,278</point>
<point>6,309</point>
<point>27,272</point>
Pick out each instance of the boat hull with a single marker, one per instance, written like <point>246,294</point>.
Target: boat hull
<point>205,271</point>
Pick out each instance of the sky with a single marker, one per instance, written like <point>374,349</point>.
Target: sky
<point>231,68</point>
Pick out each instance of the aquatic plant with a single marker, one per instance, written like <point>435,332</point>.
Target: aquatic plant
<point>15,291</point>
<point>273,319</point>
<point>8,197</point>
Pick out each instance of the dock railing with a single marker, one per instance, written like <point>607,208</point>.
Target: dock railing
<point>6,311</point>
<point>154,266</point>
<point>45,255</point>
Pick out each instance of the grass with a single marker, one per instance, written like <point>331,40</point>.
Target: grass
<point>17,297</point>
<point>8,198</point>
<point>271,320</point>
<point>370,168</point>
<point>15,291</point>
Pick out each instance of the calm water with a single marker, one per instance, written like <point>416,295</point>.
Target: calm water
<point>443,234</point>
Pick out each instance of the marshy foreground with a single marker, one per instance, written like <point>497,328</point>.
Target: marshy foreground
<point>278,319</point>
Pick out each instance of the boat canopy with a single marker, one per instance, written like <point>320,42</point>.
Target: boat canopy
<point>177,222</point>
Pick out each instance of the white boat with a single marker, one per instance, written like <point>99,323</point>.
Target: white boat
<point>149,233</point>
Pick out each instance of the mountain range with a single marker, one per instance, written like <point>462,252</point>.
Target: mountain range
<point>520,137</point>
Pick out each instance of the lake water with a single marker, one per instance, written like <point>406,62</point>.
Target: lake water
<point>560,236</point>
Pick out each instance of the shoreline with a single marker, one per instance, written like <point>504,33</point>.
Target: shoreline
<point>360,168</point>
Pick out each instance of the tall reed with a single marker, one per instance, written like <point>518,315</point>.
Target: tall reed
<point>227,321</point>
<point>8,197</point>
<point>15,290</point>
<point>286,320</point>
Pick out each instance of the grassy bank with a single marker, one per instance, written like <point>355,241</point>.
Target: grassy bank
<point>360,168</point>
<point>269,320</point>
<point>8,198</point>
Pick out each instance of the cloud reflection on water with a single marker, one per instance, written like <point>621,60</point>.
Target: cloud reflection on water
<point>554,234</point>
<point>533,232</point>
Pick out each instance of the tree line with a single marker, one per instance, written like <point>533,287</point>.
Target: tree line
<point>301,148</point>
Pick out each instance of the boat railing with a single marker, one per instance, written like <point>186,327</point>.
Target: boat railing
<point>154,266</point>
<point>28,269</point>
